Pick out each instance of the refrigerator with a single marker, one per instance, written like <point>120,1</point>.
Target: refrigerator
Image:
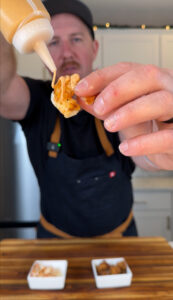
<point>19,190</point>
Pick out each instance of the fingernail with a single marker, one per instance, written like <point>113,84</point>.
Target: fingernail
<point>82,85</point>
<point>99,106</point>
<point>111,122</point>
<point>123,147</point>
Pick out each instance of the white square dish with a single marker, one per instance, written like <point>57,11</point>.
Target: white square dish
<point>50,282</point>
<point>114,280</point>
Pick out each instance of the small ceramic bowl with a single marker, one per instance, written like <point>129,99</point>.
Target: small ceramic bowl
<point>114,280</point>
<point>49,282</point>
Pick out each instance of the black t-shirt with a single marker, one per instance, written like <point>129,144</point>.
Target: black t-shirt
<point>78,134</point>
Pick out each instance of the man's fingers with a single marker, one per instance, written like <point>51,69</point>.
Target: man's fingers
<point>95,82</point>
<point>154,143</point>
<point>123,83</point>
<point>156,106</point>
<point>89,108</point>
<point>130,86</point>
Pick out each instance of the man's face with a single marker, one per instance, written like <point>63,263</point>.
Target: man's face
<point>72,47</point>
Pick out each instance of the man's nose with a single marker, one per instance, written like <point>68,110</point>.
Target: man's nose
<point>67,49</point>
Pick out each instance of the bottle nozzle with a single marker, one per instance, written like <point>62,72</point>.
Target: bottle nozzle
<point>41,49</point>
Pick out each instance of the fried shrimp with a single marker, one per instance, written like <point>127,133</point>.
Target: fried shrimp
<point>63,95</point>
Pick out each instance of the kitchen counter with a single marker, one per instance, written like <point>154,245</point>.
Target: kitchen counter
<point>153,183</point>
<point>149,258</point>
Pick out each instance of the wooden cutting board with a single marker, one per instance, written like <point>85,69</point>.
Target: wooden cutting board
<point>150,259</point>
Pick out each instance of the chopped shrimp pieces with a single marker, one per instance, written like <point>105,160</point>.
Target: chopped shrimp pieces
<point>39,270</point>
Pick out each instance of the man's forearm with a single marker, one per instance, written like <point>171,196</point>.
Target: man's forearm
<point>7,64</point>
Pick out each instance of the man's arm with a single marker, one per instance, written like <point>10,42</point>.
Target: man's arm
<point>14,92</point>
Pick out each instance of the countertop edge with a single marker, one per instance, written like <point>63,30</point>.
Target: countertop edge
<point>153,183</point>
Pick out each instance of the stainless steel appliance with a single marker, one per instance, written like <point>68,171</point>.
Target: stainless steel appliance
<point>19,191</point>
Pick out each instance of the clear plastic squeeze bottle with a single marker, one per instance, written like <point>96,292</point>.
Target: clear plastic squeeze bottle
<point>26,25</point>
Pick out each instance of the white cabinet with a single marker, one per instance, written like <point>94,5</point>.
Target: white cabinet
<point>154,46</point>
<point>167,51</point>
<point>132,46</point>
<point>152,211</point>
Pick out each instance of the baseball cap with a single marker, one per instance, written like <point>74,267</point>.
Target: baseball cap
<point>74,7</point>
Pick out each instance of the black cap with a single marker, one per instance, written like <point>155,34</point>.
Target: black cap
<point>73,7</point>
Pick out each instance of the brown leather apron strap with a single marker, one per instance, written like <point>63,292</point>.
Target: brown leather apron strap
<point>51,228</point>
<point>106,144</point>
<point>55,137</point>
<point>117,232</point>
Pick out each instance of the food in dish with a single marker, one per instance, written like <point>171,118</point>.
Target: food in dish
<point>38,270</point>
<point>108,269</point>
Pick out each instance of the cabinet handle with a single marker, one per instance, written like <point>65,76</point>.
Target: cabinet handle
<point>168,223</point>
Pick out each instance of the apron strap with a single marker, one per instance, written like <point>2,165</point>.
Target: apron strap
<point>55,138</point>
<point>117,232</point>
<point>106,144</point>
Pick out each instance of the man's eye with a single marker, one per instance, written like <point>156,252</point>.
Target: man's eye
<point>53,43</point>
<point>77,39</point>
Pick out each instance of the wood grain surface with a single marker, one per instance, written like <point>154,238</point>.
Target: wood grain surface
<point>150,259</point>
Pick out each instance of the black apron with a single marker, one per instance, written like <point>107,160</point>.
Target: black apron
<point>85,197</point>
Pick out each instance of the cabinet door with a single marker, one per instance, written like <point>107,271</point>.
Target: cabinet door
<point>152,200</point>
<point>167,51</point>
<point>151,223</point>
<point>130,46</point>
<point>152,211</point>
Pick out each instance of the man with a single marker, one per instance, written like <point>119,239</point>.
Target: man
<point>84,179</point>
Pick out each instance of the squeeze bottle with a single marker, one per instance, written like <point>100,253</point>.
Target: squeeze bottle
<point>26,25</point>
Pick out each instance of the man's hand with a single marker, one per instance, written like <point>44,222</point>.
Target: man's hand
<point>134,100</point>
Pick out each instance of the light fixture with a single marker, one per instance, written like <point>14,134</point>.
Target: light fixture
<point>167,27</point>
<point>95,28</point>
<point>107,25</point>
<point>143,26</point>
